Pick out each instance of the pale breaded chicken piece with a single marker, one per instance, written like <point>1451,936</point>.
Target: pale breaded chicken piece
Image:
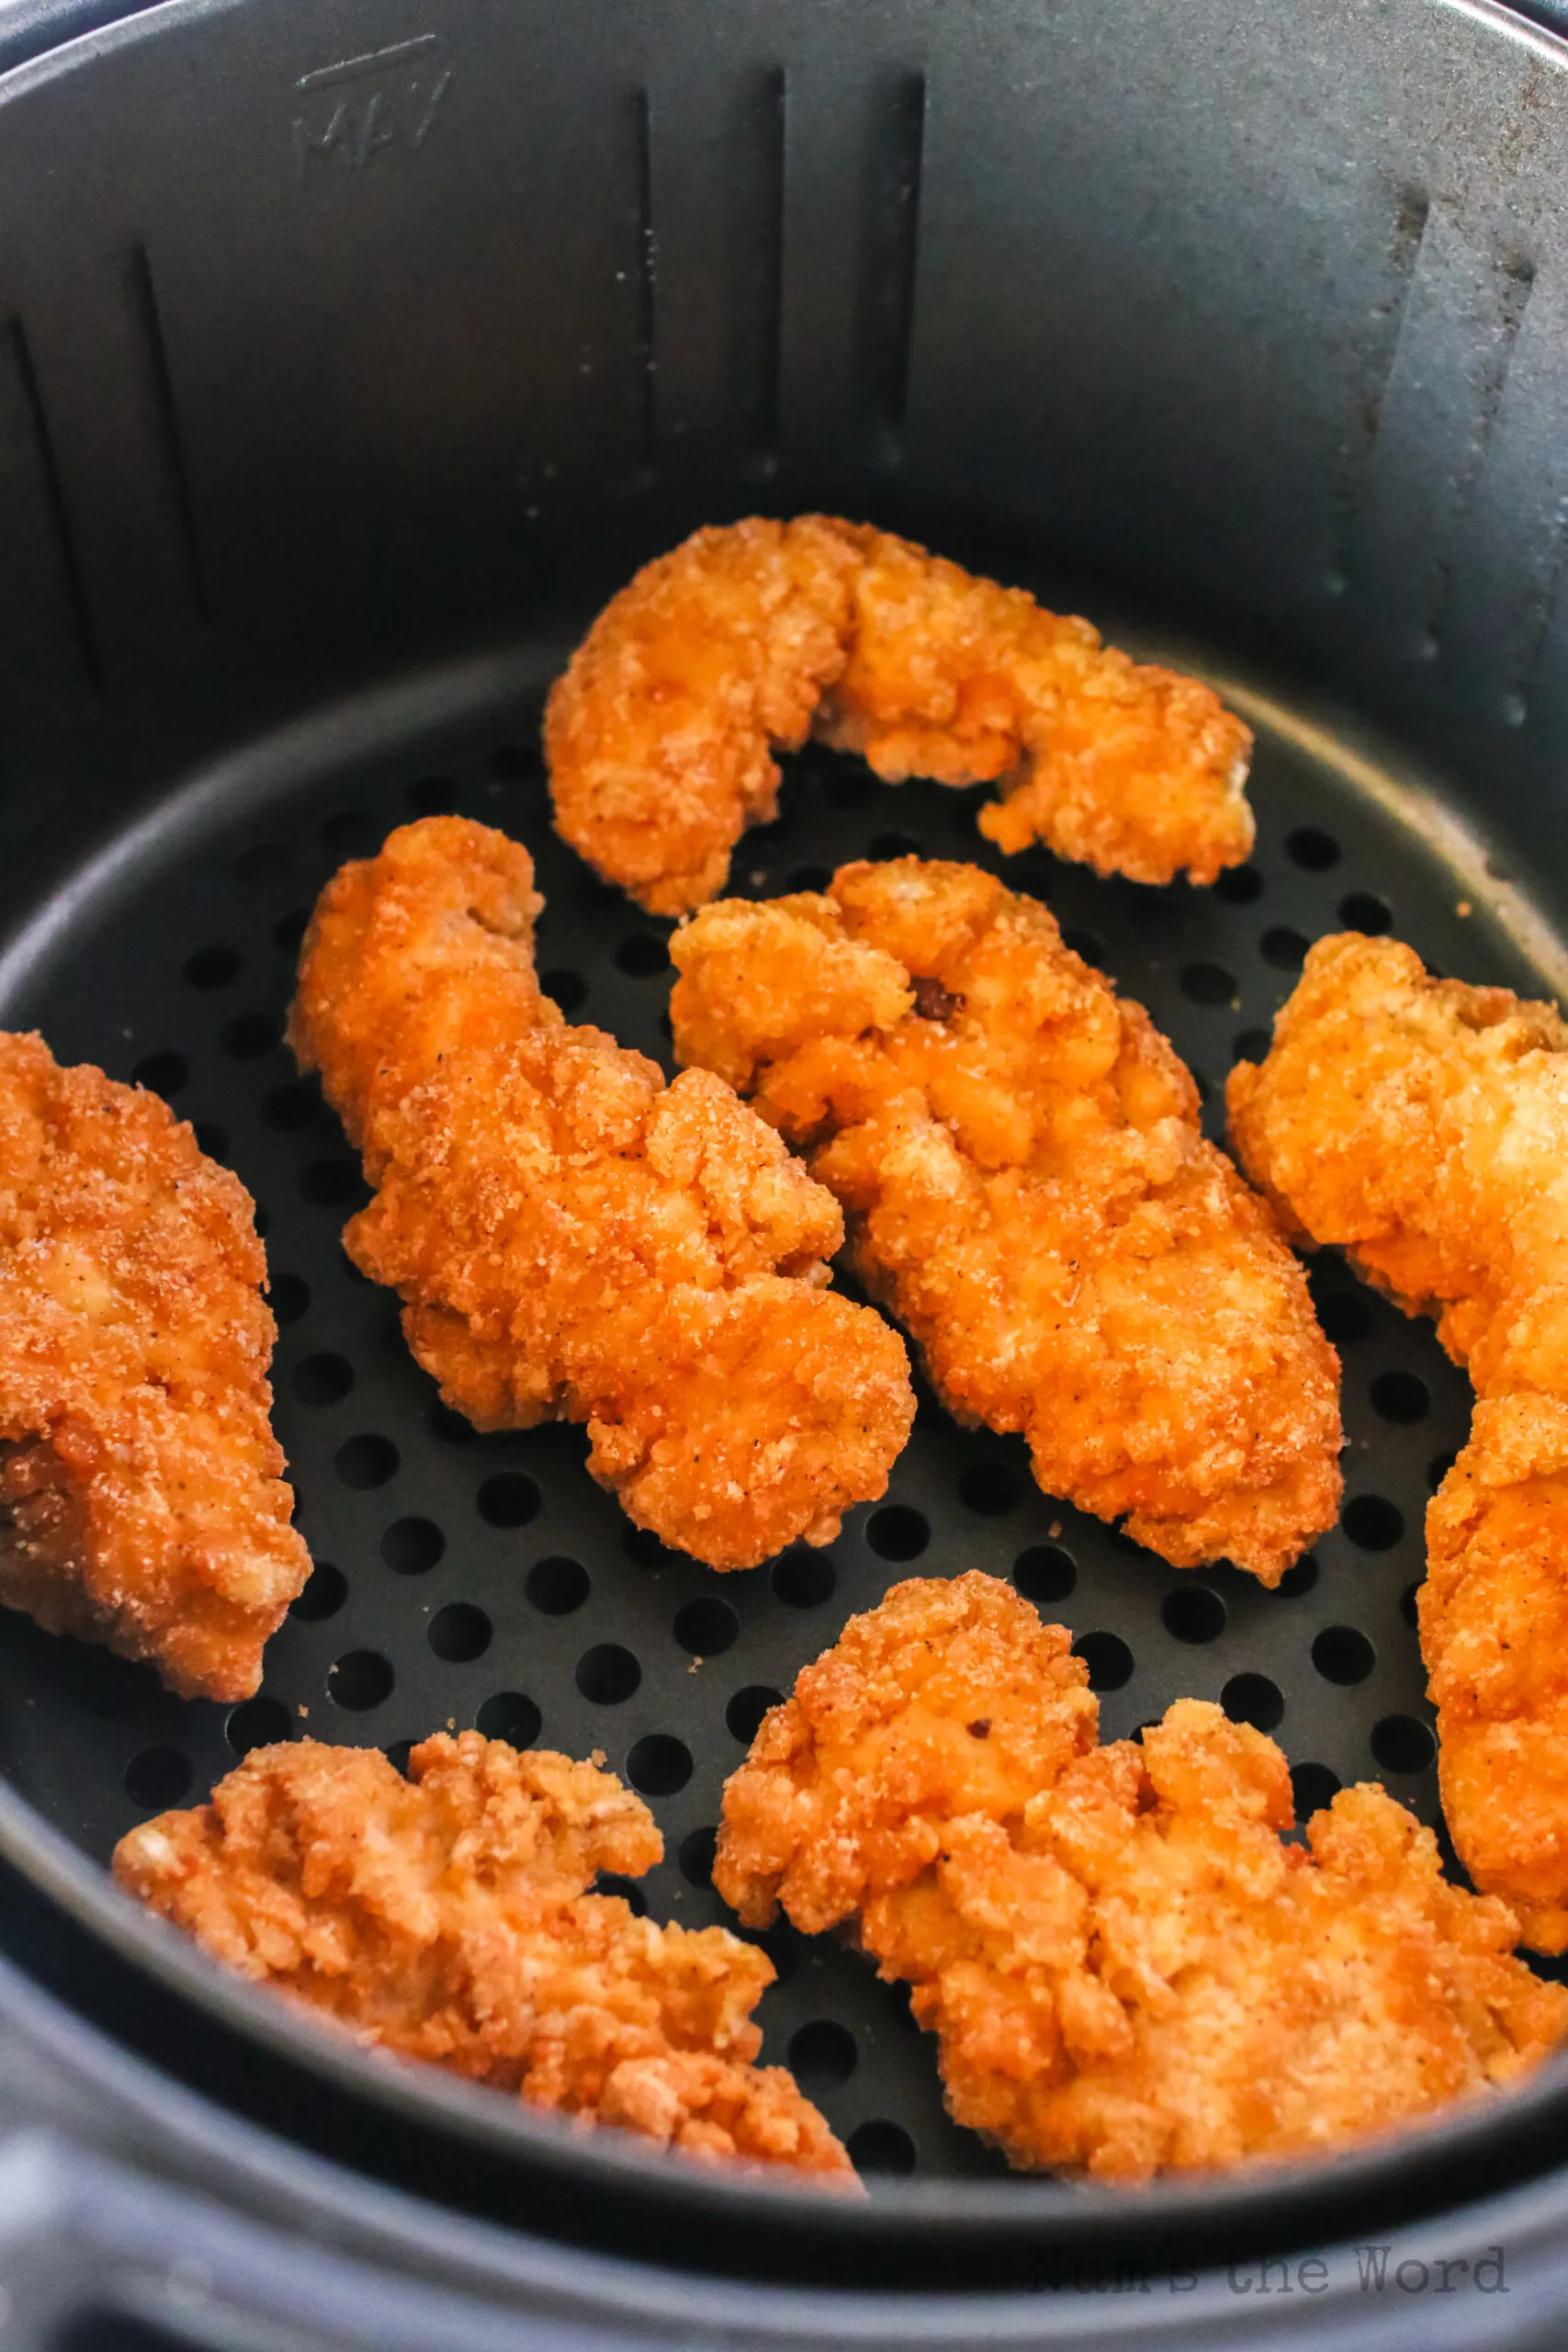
<point>1127,1968</point>
<point>747,638</point>
<point>141,1504</point>
<point>573,1239</point>
<point>444,1918</point>
<point>1422,1125</point>
<point>1018,1156</point>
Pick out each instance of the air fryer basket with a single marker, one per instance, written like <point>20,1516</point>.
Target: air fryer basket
<point>348,361</point>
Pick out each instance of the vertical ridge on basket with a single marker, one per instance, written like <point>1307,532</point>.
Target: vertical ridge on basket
<point>58,511</point>
<point>645,279</point>
<point>772,108</point>
<point>892,258</point>
<point>144,295</point>
<point>1405,235</point>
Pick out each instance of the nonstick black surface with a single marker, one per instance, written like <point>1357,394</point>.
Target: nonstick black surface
<point>463,1579</point>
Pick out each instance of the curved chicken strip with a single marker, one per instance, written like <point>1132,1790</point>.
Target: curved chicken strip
<point>1422,1125</point>
<point>1026,1186</point>
<point>1128,1971</point>
<point>446,1920</point>
<point>141,1503</point>
<point>747,640</point>
<point>576,1240</point>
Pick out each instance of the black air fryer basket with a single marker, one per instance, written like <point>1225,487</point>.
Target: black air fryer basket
<point>351,352</point>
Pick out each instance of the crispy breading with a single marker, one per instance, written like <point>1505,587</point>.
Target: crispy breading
<point>573,1239</point>
<point>1422,1125</point>
<point>1129,1970</point>
<point>444,1918</point>
<point>1026,1186</point>
<point>747,638</point>
<point>141,1503</point>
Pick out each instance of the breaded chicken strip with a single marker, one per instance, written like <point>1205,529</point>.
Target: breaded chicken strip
<point>447,1920</point>
<point>1423,1126</point>
<point>576,1240</point>
<point>1018,1156</point>
<point>140,1497</point>
<point>1128,1971</point>
<point>747,640</point>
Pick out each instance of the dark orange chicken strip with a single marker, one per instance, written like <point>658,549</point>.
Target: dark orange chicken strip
<point>447,1920</point>
<point>1129,1972</point>
<point>1423,1126</point>
<point>1018,1156</point>
<point>573,1239</point>
<point>141,1504</point>
<point>747,640</point>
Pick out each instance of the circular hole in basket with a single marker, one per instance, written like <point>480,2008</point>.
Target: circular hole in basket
<point>1409,1606</point>
<point>359,1681</point>
<point>398,1752</point>
<point>1107,1658</point>
<point>1087,944</point>
<point>1250,1046</point>
<point>659,1765</point>
<point>808,877</point>
<point>250,1035</point>
<point>1252,1699</point>
<point>567,989</point>
<point>1400,1397</point>
<point>459,1633</point>
<point>511,1716</point>
<point>322,1379</point>
<point>212,968</point>
<point>822,2055</point>
<point>1194,1614</point>
<point>1372,1522</point>
<point>745,1711</point>
<point>1311,849</point>
<point>1044,1574</point>
<point>608,1674</point>
<point>452,1429</point>
<point>367,1460</point>
<point>898,1532</point>
<point>1404,1743</point>
<point>258,1723</point>
<point>803,1578</point>
<point>333,1183</point>
<point>1284,948</point>
<point>1313,1786</point>
<point>1437,1469</point>
<point>210,1138</point>
<point>509,1499</point>
<point>323,1595</point>
<point>623,1890</point>
<point>1207,984</point>
<point>988,1488</point>
<point>706,1627</point>
<point>881,2147</point>
<point>289,1297</point>
<point>642,954</point>
<point>1298,1579</point>
<point>156,1779</point>
<point>161,1074</point>
<point>697,1850</point>
<point>557,1586</point>
<point>894,844</point>
<point>1345,1317</point>
<point>411,1547</point>
<point>1239,886</point>
<point>291,929</point>
<point>1362,912</point>
<point>1343,1654</point>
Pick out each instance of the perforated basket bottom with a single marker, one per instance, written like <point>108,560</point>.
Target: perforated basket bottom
<point>465,1579</point>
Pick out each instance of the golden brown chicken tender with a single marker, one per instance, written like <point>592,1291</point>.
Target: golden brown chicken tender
<point>1018,1153</point>
<point>1422,1125</point>
<point>748,639</point>
<point>1127,1968</point>
<point>573,1239</point>
<point>140,1497</point>
<point>444,1918</point>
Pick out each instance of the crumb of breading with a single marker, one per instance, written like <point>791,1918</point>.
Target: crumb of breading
<point>1422,1125</point>
<point>1026,1186</point>
<point>749,637</point>
<point>573,1239</point>
<point>1128,1968</point>
<point>444,1918</point>
<point>141,1503</point>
